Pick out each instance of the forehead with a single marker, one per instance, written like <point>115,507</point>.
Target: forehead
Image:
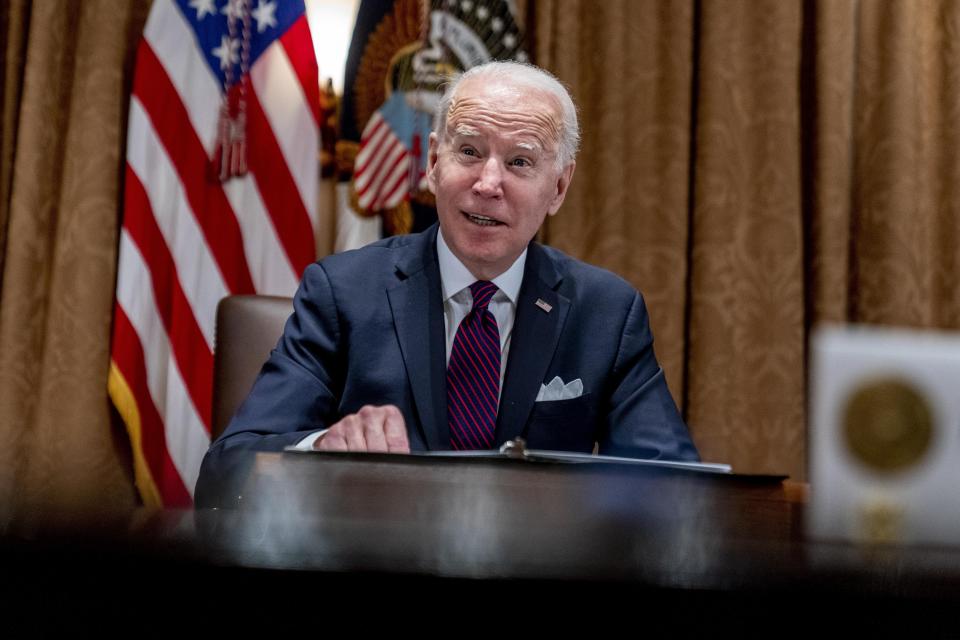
<point>499,106</point>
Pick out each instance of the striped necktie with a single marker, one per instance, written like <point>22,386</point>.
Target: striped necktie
<point>473,375</point>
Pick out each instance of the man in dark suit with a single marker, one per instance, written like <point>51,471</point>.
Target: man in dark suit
<point>469,334</point>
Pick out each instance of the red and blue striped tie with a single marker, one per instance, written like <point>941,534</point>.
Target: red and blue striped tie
<point>473,375</point>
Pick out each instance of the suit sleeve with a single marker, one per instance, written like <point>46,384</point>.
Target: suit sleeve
<point>642,419</point>
<point>297,392</point>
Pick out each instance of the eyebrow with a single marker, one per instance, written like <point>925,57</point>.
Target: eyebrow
<point>465,130</point>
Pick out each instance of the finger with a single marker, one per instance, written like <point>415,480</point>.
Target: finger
<point>373,430</point>
<point>353,433</point>
<point>342,436</point>
<point>395,431</point>
<point>330,441</point>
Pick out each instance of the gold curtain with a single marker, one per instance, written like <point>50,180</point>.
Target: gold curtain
<point>66,76</point>
<point>756,167</point>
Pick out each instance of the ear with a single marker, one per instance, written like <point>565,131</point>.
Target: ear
<point>563,183</point>
<point>432,154</point>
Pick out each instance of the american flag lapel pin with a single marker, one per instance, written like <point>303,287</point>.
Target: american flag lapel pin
<point>547,307</point>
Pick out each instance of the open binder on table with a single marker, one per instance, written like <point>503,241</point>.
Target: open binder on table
<point>516,449</point>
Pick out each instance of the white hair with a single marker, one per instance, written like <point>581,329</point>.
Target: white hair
<point>524,75</point>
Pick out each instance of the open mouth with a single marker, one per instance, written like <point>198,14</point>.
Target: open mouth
<point>482,221</point>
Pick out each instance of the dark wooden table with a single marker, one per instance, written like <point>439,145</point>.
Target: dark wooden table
<point>377,539</point>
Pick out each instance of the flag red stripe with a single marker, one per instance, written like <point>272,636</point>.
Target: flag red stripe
<point>298,44</point>
<point>194,358</point>
<point>278,189</point>
<point>396,188</point>
<point>382,170</point>
<point>129,358</point>
<point>206,197</point>
<point>363,161</point>
<point>380,149</point>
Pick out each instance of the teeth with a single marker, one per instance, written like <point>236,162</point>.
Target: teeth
<point>483,221</point>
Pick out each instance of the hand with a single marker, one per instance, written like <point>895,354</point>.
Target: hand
<point>374,429</point>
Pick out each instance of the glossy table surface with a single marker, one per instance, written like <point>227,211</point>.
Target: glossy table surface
<point>669,547</point>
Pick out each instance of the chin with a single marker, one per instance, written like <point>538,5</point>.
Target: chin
<point>482,257</point>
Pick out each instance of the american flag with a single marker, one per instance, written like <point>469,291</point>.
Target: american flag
<point>189,239</point>
<point>392,159</point>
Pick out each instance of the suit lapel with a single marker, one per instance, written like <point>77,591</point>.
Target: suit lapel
<point>536,333</point>
<point>421,338</point>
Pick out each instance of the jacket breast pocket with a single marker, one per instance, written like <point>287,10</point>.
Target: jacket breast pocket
<point>562,425</point>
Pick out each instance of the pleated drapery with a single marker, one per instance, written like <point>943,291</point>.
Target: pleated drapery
<point>758,167</point>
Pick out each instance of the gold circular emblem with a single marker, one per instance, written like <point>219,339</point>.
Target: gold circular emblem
<point>887,425</point>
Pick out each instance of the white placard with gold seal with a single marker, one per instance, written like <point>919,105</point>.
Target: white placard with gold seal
<point>884,436</point>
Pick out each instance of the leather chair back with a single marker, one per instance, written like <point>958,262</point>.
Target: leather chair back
<point>248,328</point>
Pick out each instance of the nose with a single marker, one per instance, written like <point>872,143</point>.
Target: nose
<point>489,183</point>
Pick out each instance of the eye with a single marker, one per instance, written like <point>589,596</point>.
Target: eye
<point>469,151</point>
<point>521,163</point>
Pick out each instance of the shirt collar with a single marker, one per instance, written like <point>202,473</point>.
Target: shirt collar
<point>455,277</point>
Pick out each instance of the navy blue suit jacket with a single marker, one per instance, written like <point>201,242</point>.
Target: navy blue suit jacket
<point>368,328</point>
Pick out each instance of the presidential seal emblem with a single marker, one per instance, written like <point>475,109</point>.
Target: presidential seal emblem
<point>887,425</point>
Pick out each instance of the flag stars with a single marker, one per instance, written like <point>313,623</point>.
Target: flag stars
<point>234,9</point>
<point>521,56</point>
<point>509,41</point>
<point>482,12</point>
<point>265,15</point>
<point>227,52</point>
<point>466,6</point>
<point>496,24</point>
<point>203,8</point>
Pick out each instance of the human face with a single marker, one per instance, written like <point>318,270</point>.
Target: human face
<point>494,172</point>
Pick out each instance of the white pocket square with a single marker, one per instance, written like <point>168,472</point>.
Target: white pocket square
<point>556,390</point>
